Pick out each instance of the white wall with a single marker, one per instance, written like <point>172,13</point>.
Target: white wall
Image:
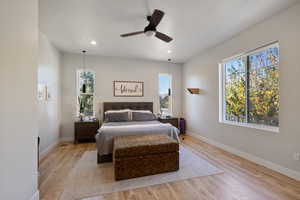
<point>109,69</point>
<point>202,113</point>
<point>49,111</point>
<point>18,104</point>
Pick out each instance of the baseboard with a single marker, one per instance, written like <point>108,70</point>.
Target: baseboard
<point>67,139</point>
<point>52,146</point>
<point>36,196</point>
<point>48,149</point>
<point>278,168</point>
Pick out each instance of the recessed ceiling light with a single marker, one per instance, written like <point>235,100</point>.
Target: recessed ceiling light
<point>169,51</point>
<point>93,42</point>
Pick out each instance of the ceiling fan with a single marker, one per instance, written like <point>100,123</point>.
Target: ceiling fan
<point>150,30</point>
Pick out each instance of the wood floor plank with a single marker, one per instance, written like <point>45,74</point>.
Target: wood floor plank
<point>241,180</point>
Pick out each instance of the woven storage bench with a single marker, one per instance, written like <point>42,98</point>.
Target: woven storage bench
<point>136,156</point>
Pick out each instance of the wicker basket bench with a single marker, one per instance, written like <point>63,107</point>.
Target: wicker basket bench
<point>136,156</point>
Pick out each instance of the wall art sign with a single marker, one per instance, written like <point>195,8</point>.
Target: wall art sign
<point>128,89</point>
<point>49,93</point>
<point>41,92</point>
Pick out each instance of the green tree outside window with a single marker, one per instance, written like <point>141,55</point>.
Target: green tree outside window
<point>86,100</point>
<point>251,88</point>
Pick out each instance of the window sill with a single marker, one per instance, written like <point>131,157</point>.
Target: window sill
<point>255,126</point>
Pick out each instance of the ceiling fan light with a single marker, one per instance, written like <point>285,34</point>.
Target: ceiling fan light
<point>149,33</point>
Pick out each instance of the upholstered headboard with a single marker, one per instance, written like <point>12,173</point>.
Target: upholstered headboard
<point>127,105</point>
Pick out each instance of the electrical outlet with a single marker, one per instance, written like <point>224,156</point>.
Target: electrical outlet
<point>296,156</point>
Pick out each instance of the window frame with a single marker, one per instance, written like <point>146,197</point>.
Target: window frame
<point>222,100</point>
<point>78,93</point>
<point>171,96</point>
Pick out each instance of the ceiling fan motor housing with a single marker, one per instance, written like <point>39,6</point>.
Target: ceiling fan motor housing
<point>149,28</point>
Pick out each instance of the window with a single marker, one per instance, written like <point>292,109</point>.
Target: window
<point>250,88</point>
<point>85,101</point>
<point>165,100</point>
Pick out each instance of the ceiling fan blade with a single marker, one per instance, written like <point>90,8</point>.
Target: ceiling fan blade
<point>163,37</point>
<point>132,34</point>
<point>156,17</point>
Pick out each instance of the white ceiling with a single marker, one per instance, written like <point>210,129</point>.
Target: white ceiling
<point>194,24</point>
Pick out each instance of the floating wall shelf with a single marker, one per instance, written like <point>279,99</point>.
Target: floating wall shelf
<point>194,90</point>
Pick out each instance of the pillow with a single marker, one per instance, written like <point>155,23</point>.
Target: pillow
<point>116,116</point>
<point>142,116</point>
<point>117,111</point>
<point>144,111</point>
<point>130,112</point>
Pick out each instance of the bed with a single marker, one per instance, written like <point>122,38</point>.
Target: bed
<point>106,133</point>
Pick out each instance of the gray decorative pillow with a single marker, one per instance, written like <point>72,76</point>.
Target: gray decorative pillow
<point>116,117</point>
<point>143,116</point>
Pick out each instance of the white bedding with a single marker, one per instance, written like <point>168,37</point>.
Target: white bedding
<point>108,131</point>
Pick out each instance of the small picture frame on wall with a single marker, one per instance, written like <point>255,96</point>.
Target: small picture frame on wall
<point>49,93</point>
<point>41,92</point>
<point>128,88</point>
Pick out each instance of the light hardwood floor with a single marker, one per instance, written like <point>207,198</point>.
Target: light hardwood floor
<point>241,179</point>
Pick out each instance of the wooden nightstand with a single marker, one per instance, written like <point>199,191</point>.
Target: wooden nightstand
<point>86,130</point>
<point>172,120</point>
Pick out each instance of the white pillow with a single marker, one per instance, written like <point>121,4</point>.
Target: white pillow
<point>115,111</point>
<point>143,111</point>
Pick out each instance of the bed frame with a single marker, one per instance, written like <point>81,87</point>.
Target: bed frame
<point>119,106</point>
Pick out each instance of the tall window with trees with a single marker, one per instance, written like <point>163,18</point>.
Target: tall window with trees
<point>85,99</point>
<point>165,88</point>
<point>250,88</point>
